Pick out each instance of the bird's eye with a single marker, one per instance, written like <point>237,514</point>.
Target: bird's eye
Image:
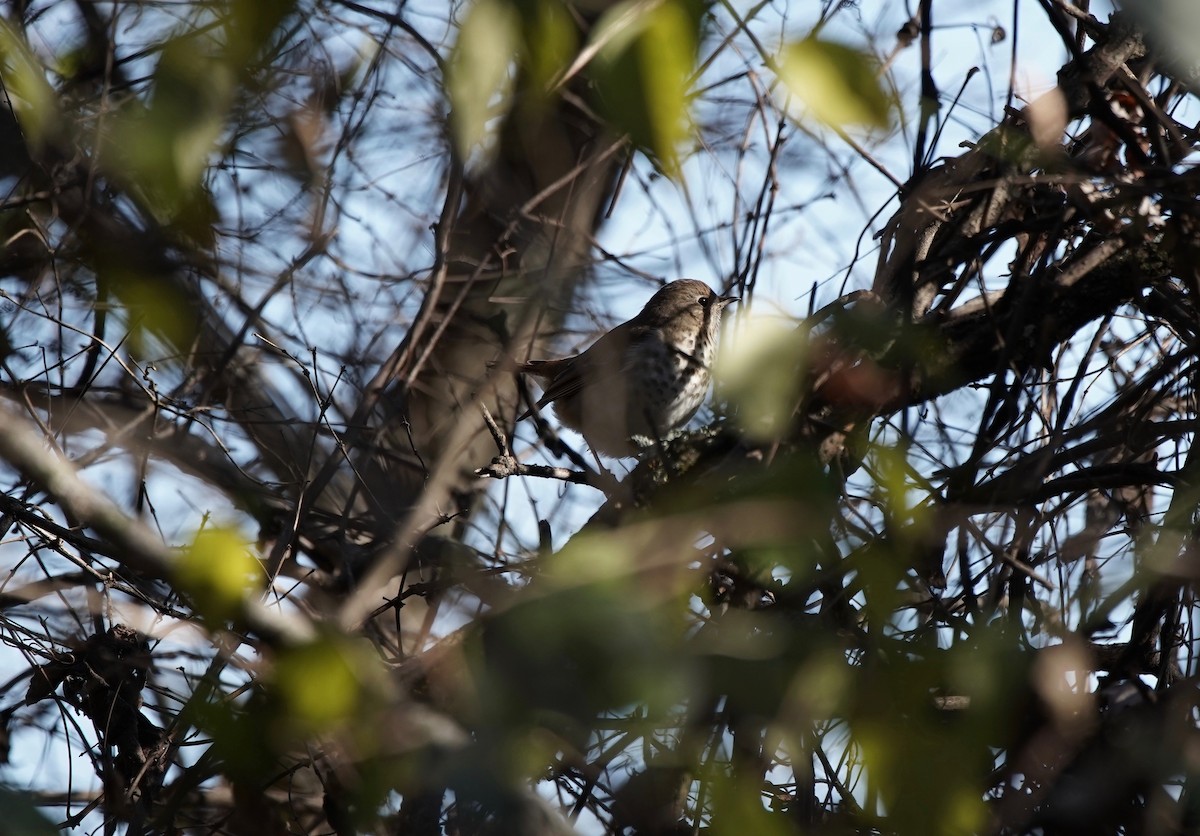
<point>702,301</point>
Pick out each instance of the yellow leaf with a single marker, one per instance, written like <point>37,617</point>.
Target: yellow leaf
<point>317,684</point>
<point>218,572</point>
<point>333,683</point>
<point>838,84</point>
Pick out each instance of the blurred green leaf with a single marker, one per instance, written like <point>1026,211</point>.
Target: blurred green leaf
<point>838,84</point>
<point>738,809</point>
<point>250,24</point>
<point>164,147</point>
<point>326,683</point>
<point>218,572</point>
<point>192,93</point>
<point>598,631</point>
<point>761,373</point>
<point>647,55</point>
<point>820,686</point>
<point>478,78</point>
<point>928,762</point>
<point>898,492</point>
<point>153,305</point>
<point>240,731</point>
<point>33,99</point>
<point>548,38</point>
<point>21,816</point>
<point>561,659</point>
<point>333,685</point>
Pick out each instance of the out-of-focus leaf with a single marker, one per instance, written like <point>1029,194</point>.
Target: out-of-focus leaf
<point>250,24</point>
<point>164,147</point>
<point>897,488</point>
<point>478,78</point>
<point>549,40</point>
<point>153,306</point>
<point>324,683</point>
<point>761,374</point>
<point>1047,116</point>
<point>819,687</point>
<point>1015,147</point>
<point>218,572</point>
<point>838,84</point>
<point>192,92</point>
<point>928,763</point>
<point>1173,26</point>
<point>737,802</point>
<point>331,685</point>
<point>561,659</point>
<point>641,72</point>
<point>600,631</point>
<point>20,815</point>
<point>240,731</point>
<point>32,97</point>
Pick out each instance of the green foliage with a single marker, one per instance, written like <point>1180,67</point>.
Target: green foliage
<point>838,84</point>
<point>647,54</point>
<point>478,77</point>
<point>926,764</point>
<point>499,43</point>
<point>33,99</point>
<point>153,306</point>
<point>762,374</point>
<point>218,572</point>
<point>750,600</point>
<point>333,689</point>
<point>594,635</point>
<point>20,816</point>
<point>549,41</point>
<point>329,683</point>
<point>163,146</point>
<point>740,803</point>
<point>641,57</point>
<point>250,27</point>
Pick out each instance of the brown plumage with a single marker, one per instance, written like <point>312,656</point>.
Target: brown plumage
<point>642,379</point>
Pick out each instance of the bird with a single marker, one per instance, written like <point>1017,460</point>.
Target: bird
<point>644,378</point>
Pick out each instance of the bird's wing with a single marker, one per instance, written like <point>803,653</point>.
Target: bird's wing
<point>607,357</point>
<point>569,379</point>
<point>566,382</point>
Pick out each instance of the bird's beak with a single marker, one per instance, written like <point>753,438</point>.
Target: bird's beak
<point>728,300</point>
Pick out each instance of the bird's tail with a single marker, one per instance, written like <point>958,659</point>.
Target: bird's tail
<point>544,369</point>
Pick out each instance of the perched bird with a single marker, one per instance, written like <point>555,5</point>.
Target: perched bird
<point>642,379</point>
